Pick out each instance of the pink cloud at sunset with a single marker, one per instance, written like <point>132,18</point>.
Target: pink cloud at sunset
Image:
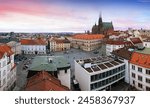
<point>65,15</point>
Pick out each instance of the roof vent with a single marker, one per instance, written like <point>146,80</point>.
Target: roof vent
<point>81,62</point>
<point>50,60</point>
<point>87,65</point>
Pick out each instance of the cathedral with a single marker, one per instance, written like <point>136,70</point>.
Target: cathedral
<point>103,27</point>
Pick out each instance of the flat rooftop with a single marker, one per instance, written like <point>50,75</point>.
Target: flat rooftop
<point>95,64</point>
<point>48,63</point>
<point>144,51</point>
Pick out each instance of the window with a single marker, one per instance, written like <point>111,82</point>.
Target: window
<point>133,75</point>
<point>140,78</point>
<point>92,78</point>
<point>95,85</point>
<point>99,84</point>
<point>133,67</point>
<point>147,72</point>
<point>99,76</point>
<point>96,77</point>
<point>139,69</point>
<point>140,85</point>
<point>66,71</point>
<point>103,75</point>
<point>147,88</point>
<point>133,82</point>
<point>147,80</point>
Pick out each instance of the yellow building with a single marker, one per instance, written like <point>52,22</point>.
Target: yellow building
<point>87,42</point>
<point>59,44</point>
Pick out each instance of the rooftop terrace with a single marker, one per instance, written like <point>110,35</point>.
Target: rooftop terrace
<point>98,63</point>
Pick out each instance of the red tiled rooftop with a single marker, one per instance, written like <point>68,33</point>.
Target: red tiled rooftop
<point>43,81</point>
<point>88,37</point>
<point>135,40</point>
<point>60,41</point>
<point>5,49</point>
<point>32,42</point>
<point>118,42</point>
<point>140,59</point>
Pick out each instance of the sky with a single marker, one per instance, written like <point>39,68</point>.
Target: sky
<point>71,15</point>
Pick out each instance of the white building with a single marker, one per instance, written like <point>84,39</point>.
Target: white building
<point>7,68</point>
<point>30,46</point>
<point>124,54</point>
<point>146,43</point>
<point>136,41</point>
<point>99,73</point>
<point>112,45</point>
<point>55,65</point>
<point>140,69</point>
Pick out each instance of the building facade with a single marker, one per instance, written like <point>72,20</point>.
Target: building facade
<point>15,46</point>
<point>137,63</point>
<point>33,46</point>
<point>146,43</point>
<point>58,44</point>
<point>7,68</point>
<point>112,45</point>
<point>87,42</point>
<point>136,41</point>
<point>99,73</point>
<point>140,70</point>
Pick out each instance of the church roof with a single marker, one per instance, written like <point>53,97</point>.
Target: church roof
<point>107,25</point>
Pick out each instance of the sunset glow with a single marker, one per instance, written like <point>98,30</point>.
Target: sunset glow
<point>71,15</point>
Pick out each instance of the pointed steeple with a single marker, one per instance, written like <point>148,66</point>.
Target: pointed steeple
<point>100,14</point>
<point>100,22</point>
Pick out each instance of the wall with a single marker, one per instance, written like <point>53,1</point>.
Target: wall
<point>65,78</point>
<point>143,74</point>
<point>146,44</point>
<point>82,77</point>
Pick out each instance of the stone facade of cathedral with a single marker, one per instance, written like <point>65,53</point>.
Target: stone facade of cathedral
<point>105,28</point>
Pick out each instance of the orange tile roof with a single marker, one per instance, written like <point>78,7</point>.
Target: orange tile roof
<point>32,42</point>
<point>43,81</point>
<point>88,37</point>
<point>5,49</point>
<point>118,42</point>
<point>116,33</point>
<point>60,41</point>
<point>140,59</point>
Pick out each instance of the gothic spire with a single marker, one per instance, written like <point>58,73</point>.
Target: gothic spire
<point>100,14</point>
